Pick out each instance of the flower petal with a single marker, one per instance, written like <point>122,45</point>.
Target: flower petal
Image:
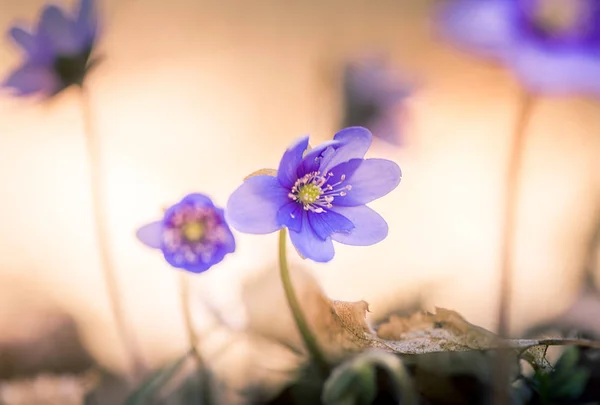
<point>341,173</point>
<point>290,161</point>
<point>86,22</point>
<point>316,156</point>
<point>198,199</point>
<point>483,27</point>
<point>355,143</point>
<point>326,223</point>
<point>25,39</point>
<point>59,30</point>
<point>372,179</point>
<point>309,245</point>
<point>253,207</point>
<point>290,215</point>
<point>546,72</point>
<point>229,245</point>
<point>200,266</point>
<point>151,234</point>
<point>29,79</point>
<point>370,227</point>
<point>175,260</point>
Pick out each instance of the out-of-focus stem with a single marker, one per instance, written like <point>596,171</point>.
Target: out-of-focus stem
<point>502,370</point>
<point>125,332</point>
<point>309,339</point>
<point>193,339</point>
<point>510,210</point>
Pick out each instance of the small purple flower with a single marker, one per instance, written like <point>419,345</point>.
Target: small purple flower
<point>193,234</point>
<point>319,194</point>
<point>373,98</point>
<point>553,46</point>
<point>57,51</point>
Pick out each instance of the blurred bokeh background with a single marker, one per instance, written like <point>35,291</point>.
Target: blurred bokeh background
<point>195,95</point>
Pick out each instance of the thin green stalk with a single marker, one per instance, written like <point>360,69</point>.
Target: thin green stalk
<point>184,287</point>
<point>307,336</point>
<point>125,332</point>
<point>517,149</point>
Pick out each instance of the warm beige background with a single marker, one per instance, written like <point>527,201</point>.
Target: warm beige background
<point>194,95</point>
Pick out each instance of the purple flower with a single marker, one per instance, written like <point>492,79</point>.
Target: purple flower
<point>192,235</point>
<point>319,194</point>
<point>553,46</point>
<point>373,97</point>
<point>57,51</point>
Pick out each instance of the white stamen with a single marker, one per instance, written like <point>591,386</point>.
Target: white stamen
<point>318,195</point>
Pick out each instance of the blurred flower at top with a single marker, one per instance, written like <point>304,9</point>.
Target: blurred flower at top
<point>56,52</point>
<point>552,46</point>
<point>373,98</point>
<point>319,194</point>
<point>192,234</point>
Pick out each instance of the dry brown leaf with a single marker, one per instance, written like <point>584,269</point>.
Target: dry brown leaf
<point>446,330</point>
<point>262,172</point>
<point>341,328</point>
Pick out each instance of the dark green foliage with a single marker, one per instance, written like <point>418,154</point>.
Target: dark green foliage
<point>565,385</point>
<point>450,378</point>
<point>148,391</point>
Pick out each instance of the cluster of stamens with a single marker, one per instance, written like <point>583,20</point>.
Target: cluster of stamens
<point>313,192</point>
<point>193,233</point>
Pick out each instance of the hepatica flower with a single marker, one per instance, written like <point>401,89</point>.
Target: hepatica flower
<point>193,234</point>
<point>319,194</point>
<point>56,52</point>
<point>373,98</point>
<point>553,46</point>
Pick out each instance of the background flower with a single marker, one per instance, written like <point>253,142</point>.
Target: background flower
<point>373,98</point>
<point>57,51</point>
<point>553,46</point>
<point>319,195</point>
<point>192,235</point>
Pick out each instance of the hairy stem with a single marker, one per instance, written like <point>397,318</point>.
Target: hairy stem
<point>307,336</point>
<point>125,332</point>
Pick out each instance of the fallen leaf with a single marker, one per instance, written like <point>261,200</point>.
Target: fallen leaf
<point>262,172</point>
<point>445,330</point>
<point>341,328</point>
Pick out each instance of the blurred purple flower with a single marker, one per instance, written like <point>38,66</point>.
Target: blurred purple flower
<point>553,46</point>
<point>319,194</point>
<point>373,97</point>
<point>57,51</point>
<point>193,234</point>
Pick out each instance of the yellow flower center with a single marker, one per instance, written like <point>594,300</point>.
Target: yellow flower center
<point>309,193</point>
<point>193,231</point>
<point>558,16</point>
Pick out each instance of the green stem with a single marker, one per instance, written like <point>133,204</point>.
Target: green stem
<point>103,238</point>
<point>193,339</point>
<point>307,336</point>
<point>502,369</point>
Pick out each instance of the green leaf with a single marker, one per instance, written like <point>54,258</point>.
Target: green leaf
<point>351,384</point>
<point>566,362</point>
<point>574,386</point>
<point>155,382</point>
<point>354,382</point>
